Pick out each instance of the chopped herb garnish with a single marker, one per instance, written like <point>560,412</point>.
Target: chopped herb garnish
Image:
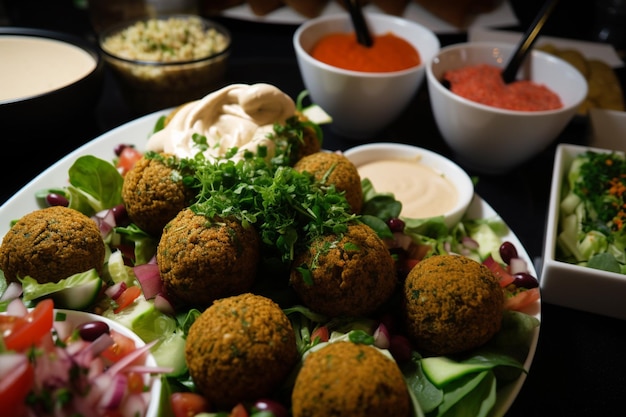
<point>288,208</point>
<point>593,212</point>
<point>602,183</point>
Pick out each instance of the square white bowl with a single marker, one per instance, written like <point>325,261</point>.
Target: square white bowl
<point>569,285</point>
<point>608,129</point>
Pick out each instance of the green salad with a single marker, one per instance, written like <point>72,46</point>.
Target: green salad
<point>592,212</point>
<point>439,385</point>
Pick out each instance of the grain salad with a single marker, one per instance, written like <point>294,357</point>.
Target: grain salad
<point>164,62</point>
<point>174,39</point>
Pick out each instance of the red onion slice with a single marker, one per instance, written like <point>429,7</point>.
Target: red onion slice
<point>149,279</point>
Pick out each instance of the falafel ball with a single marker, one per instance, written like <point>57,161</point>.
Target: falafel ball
<point>201,259</point>
<point>153,193</point>
<point>349,379</point>
<point>51,244</point>
<point>240,348</point>
<point>351,274</point>
<point>334,168</point>
<point>452,304</point>
<point>311,142</point>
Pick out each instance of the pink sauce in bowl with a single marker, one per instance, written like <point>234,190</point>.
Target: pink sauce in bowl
<point>483,84</point>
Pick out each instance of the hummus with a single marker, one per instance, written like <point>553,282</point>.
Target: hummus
<point>422,191</point>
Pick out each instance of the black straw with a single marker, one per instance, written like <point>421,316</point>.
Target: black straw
<point>363,35</point>
<point>527,41</point>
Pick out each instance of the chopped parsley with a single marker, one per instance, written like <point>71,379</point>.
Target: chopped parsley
<point>602,184</point>
<point>288,208</point>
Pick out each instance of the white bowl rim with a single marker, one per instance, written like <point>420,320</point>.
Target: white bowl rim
<point>368,15</point>
<point>79,316</point>
<point>507,46</point>
<point>65,38</point>
<point>457,175</point>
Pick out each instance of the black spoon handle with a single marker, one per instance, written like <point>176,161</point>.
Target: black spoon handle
<point>363,35</point>
<point>527,42</point>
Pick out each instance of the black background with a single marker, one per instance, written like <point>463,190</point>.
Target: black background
<point>580,364</point>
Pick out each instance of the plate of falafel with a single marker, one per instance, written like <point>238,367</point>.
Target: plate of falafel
<point>292,289</point>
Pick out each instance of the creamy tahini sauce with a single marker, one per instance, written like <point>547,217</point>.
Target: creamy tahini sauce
<point>30,66</point>
<point>238,115</point>
<point>422,191</point>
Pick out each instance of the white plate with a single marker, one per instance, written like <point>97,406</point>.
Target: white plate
<point>590,50</point>
<point>136,133</point>
<point>502,16</point>
<point>480,209</point>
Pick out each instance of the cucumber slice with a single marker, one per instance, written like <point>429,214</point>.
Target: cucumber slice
<point>144,319</point>
<point>76,292</point>
<point>440,370</point>
<point>488,241</point>
<point>317,115</point>
<point>171,353</point>
<point>80,297</point>
<point>117,271</point>
<point>127,316</point>
<point>150,324</point>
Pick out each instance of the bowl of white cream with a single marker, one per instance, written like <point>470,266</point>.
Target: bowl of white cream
<point>49,79</point>
<point>426,183</point>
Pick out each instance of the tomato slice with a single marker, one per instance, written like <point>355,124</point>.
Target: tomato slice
<point>7,322</point>
<point>17,377</point>
<point>127,159</point>
<point>320,332</point>
<point>127,297</point>
<point>238,411</point>
<point>135,383</point>
<point>499,271</point>
<point>522,299</point>
<point>121,347</point>
<point>31,329</point>
<point>188,404</point>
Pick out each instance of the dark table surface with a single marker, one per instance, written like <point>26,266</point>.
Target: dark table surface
<point>580,364</point>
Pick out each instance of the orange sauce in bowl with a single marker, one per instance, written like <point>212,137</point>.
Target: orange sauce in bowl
<point>484,84</point>
<point>388,53</point>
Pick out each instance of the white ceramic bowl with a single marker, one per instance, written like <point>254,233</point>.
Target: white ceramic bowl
<point>52,80</point>
<point>362,103</point>
<point>570,285</point>
<point>71,319</point>
<point>438,164</point>
<point>492,140</point>
<point>79,317</point>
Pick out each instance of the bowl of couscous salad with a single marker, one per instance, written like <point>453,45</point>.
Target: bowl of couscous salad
<point>164,61</point>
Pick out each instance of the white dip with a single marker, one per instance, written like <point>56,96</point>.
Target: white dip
<point>30,65</point>
<point>422,191</point>
<point>238,115</point>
